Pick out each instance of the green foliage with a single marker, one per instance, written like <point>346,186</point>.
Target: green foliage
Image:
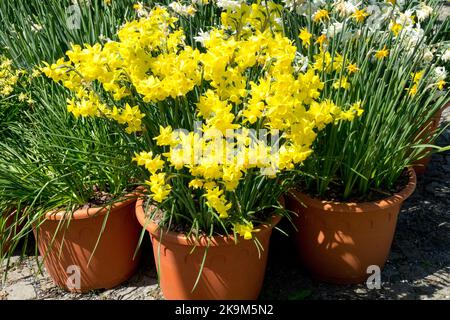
<point>35,31</point>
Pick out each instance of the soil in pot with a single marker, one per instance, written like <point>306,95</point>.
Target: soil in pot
<point>230,271</point>
<point>68,246</point>
<point>337,242</point>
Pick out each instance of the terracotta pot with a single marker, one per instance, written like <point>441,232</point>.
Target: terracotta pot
<point>12,220</point>
<point>431,126</point>
<point>231,271</point>
<point>112,261</point>
<point>337,242</point>
<point>5,239</point>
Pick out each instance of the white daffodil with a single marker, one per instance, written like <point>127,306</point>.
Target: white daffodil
<point>300,62</point>
<point>423,12</point>
<point>303,7</point>
<point>446,55</point>
<point>229,4</point>
<point>182,10</point>
<point>439,73</point>
<point>345,8</point>
<point>333,29</point>
<point>428,55</point>
<point>202,37</point>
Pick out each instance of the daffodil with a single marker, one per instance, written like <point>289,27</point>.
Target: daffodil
<point>305,36</point>
<point>245,230</point>
<point>381,54</point>
<point>360,15</point>
<point>321,15</point>
<point>352,68</point>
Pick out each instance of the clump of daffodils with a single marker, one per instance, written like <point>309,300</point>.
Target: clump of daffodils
<point>224,123</point>
<point>406,22</point>
<point>11,83</point>
<point>391,55</point>
<point>9,77</point>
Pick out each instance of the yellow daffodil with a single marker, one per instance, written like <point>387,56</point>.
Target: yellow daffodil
<point>396,28</point>
<point>245,230</point>
<point>352,68</point>
<point>321,15</point>
<point>360,15</point>
<point>305,36</point>
<point>441,84</point>
<point>381,54</point>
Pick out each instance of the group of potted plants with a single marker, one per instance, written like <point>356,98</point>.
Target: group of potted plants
<point>314,112</point>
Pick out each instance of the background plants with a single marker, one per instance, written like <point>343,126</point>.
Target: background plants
<point>36,31</point>
<point>48,158</point>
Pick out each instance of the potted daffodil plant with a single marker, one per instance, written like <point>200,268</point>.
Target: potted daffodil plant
<point>222,126</point>
<point>388,56</point>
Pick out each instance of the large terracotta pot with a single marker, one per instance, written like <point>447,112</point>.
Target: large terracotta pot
<point>431,126</point>
<point>337,242</point>
<point>231,271</point>
<point>112,261</point>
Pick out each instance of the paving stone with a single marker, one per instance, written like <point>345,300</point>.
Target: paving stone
<point>21,291</point>
<point>18,274</point>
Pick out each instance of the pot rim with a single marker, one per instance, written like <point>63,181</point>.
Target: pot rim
<point>358,207</point>
<point>182,239</point>
<point>80,214</point>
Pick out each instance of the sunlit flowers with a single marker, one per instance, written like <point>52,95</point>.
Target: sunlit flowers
<point>360,15</point>
<point>381,54</point>
<point>321,15</point>
<point>249,112</point>
<point>305,36</point>
<point>352,68</point>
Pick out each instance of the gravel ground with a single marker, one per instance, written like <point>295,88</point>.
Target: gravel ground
<point>418,266</point>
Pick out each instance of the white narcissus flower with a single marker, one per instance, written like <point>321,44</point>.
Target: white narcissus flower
<point>440,73</point>
<point>446,55</point>
<point>423,12</point>
<point>300,62</point>
<point>428,55</point>
<point>229,4</point>
<point>279,21</point>
<point>405,19</point>
<point>202,37</point>
<point>303,7</point>
<point>413,36</point>
<point>140,9</point>
<point>333,29</point>
<point>36,27</point>
<point>378,15</point>
<point>182,10</point>
<point>345,8</point>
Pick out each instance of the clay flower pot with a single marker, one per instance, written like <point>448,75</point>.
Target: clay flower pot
<point>337,242</point>
<point>431,126</point>
<point>231,271</point>
<point>5,239</point>
<point>12,226</point>
<point>112,262</point>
